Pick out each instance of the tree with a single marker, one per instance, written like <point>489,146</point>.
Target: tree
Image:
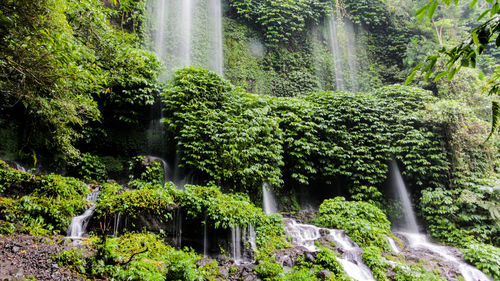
<point>466,53</point>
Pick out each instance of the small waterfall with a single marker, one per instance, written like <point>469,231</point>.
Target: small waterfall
<point>187,32</point>
<point>177,228</point>
<point>236,245</point>
<point>352,256</point>
<point>341,38</point>
<point>409,223</point>
<point>269,201</point>
<point>304,235</point>
<point>116,224</point>
<point>205,237</point>
<point>251,237</point>
<point>392,244</point>
<point>78,225</point>
<point>419,242</point>
<point>166,168</point>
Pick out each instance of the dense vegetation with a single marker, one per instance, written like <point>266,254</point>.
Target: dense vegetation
<point>81,95</point>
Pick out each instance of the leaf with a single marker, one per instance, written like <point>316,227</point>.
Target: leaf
<point>432,9</point>
<point>473,3</point>
<point>440,75</point>
<point>495,118</point>
<point>410,78</point>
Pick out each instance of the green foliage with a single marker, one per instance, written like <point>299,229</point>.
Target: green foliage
<point>229,144</point>
<point>149,199</point>
<point>136,256</point>
<point>301,274</point>
<point>239,140</point>
<point>45,71</point>
<point>43,204</point>
<point>89,168</point>
<point>281,20</point>
<point>327,259</point>
<point>466,53</point>
<point>409,272</point>
<point>460,216</point>
<point>363,222</point>
<point>372,257</point>
<point>485,257</point>
<point>146,169</point>
<point>73,259</point>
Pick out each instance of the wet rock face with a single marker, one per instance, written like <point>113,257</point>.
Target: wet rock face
<point>23,256</point>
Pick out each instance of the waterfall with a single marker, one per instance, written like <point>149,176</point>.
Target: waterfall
<point>419,242</point>
<point>149,159</point>
<point>187,32</point>
<point>341,38</point>
<point>352,256</point>
<point>304,235</point>
<point>205,237</point>
<point>269,201</point>
<point>392,244</point>
<point>78,225</point>
<point>236,245</point>
<point>251,237</point>
<point>116,224</point>
<point>177,228</point>
<point>409,223</point>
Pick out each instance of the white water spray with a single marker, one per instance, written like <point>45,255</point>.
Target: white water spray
<point>269,200</point>
<point>409,223</point>
<point>305,235</point>
<point>236,245</point>
<point>187,32</point>
<point>78,225</point>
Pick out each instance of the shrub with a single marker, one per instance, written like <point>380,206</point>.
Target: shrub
<point>363,222</point>
<point>484,257</point>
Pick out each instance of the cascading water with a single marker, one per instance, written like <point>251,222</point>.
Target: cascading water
<point>342,44</point>
<point>116,224</point>
<point>269,201</point>
<point>205,237</point>
<point>78,225</point>
<point>236,245</point>
<point>419,242</point>
<point>305,235</point>
<point>251,237</point>
<point>409,223</point>
<point>351,259</point>
<point>187,32</point>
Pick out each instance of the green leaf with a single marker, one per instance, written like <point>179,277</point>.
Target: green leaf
<point>410,78</point>
<point>473,3</point>
<point>440,75</point>
<point>495,118</point>
<point>432,9</point>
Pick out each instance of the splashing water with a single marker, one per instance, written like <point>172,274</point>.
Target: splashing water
<point>187,32</point>
<point>78,225</point>
<point>305,235</point>
<point>269,201</point>
<point>236,245</point>
<point>409,223</point>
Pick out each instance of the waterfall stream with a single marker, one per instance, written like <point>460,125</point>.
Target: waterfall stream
<point>305,235</point>
<point>269,200</point>
<point>78,225</point>
<point>187,32</point>
<point>418,242</point>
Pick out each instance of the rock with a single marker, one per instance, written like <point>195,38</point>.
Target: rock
<point>15,249</point>
<point>324,275</point>
<point>310,256</point>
